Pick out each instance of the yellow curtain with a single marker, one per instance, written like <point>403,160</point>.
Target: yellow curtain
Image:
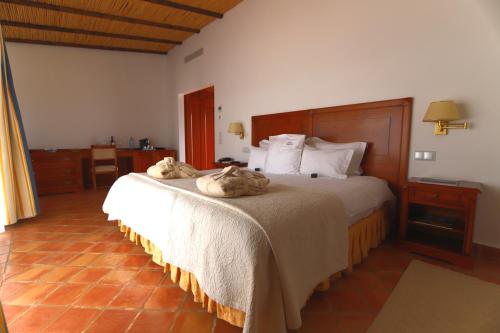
<point>18,197</point>
<point>3,322</point>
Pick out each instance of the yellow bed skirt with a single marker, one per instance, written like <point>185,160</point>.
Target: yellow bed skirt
<point>363,235</point>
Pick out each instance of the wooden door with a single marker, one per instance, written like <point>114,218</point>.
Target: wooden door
<point>199,128</point>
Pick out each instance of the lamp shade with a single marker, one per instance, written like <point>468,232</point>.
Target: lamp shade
<point>235,128</point>
<point>443,110</point>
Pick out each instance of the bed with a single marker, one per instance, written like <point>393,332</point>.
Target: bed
<point>256,260</point>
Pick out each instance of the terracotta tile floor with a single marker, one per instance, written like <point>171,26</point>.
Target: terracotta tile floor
<point>69,270</point>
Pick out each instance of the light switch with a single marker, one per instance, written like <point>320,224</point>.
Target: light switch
<point>424,155</point>
<point>219,112</point>
<point>419,155</point>
<point>246,150</point>
<point>429,155</point>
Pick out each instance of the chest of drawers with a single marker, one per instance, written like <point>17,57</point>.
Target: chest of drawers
<point>57,172</point>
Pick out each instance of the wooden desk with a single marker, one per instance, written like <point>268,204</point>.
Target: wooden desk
<point>68,170</point>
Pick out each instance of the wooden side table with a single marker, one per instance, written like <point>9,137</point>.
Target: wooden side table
<point>438,220</point>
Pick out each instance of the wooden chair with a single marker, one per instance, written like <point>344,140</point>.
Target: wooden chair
<point>107,161</point>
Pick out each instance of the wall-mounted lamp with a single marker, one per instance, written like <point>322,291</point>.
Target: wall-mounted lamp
<point>441,113</point>
<point>236,128</point>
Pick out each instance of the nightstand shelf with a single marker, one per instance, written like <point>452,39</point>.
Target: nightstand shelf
<point>433,239</point>
<point>438,220</point>
<point>221,165</point>
<point>435,226</point>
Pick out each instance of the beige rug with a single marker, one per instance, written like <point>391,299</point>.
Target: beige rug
<point>433,299</point>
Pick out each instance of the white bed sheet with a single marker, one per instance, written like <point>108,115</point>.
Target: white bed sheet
<point>361,195</point>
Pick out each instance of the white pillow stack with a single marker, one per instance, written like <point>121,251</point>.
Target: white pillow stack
<point>292,154</point>
<point>284,153</point>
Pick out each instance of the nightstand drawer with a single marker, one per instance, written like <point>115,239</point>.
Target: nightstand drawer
<point>439,198</point>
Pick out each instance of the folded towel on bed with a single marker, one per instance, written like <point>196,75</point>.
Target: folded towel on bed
<point>232,182</point>
<point>168,168</point>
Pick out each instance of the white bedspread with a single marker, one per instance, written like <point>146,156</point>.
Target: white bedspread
<point>262,255</point>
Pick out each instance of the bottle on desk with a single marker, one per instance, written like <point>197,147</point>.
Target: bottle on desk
<point>112,141</point>
<point>131,143</point>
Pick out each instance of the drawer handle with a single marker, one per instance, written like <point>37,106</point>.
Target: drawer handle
<point>436,195</point>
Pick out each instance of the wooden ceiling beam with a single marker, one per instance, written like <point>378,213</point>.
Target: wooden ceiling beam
<point>8,23</point>
<point>187,8</point>
<point>85,46</point>
<point>105,16</point>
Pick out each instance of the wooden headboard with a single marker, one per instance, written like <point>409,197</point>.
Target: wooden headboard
<point>385,125</point>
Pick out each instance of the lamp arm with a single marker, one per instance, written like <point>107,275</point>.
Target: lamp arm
<point>463,125</point>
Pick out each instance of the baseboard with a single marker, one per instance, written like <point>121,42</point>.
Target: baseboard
<point>481,249</point>
<point>494,245</point>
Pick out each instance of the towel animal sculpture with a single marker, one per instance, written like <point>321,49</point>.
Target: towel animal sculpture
<point>232,182</point>
<point>168,168</point>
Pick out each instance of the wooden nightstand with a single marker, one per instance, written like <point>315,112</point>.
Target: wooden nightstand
<point>438,220</point>
<point>219,165</point>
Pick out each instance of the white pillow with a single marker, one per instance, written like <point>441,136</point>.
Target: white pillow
<point>264,144</point>
<point>257,158</point>
<point>326,163</point>
<point>284,154</point>
<point>358,147</point>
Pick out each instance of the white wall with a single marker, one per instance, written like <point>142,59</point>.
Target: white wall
<point>281,55</point>
<point>73,97</point>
